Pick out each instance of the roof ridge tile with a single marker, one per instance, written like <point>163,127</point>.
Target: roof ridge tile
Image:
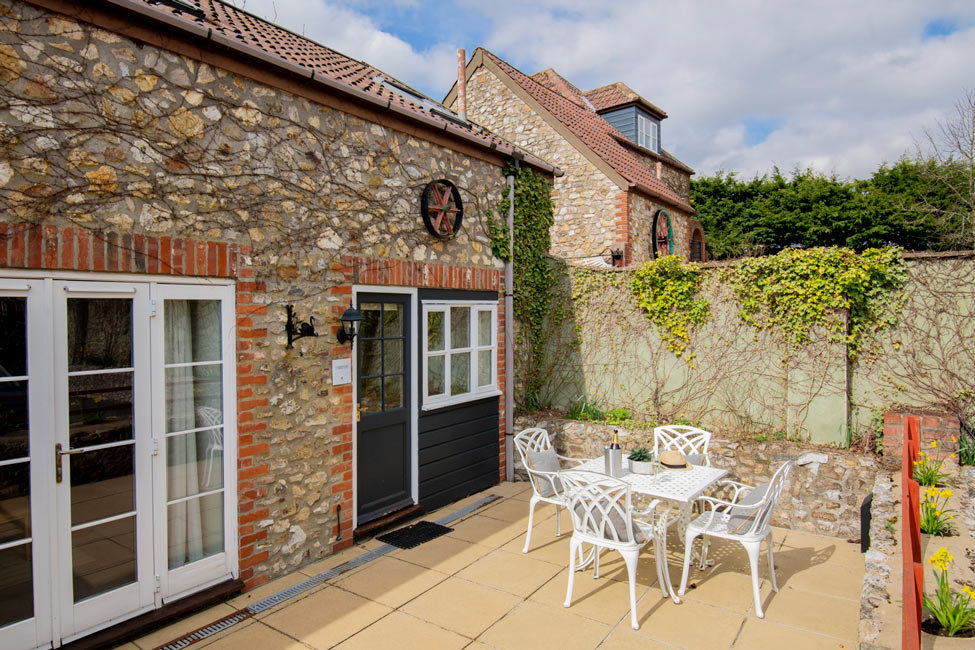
<point>595,132</point>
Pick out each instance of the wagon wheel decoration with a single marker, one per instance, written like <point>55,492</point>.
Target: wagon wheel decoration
<point>442,209</point>
<point>663,234</point>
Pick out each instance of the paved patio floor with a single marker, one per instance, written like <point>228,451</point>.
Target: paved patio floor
<point>473,588</point>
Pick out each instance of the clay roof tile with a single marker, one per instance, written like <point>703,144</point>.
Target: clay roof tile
<point>594,131</point>
<point>267,37</point>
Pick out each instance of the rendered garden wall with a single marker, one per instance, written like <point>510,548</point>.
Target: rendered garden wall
<point>734,378</point>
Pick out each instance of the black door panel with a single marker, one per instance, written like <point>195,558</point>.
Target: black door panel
<point>383,440</point>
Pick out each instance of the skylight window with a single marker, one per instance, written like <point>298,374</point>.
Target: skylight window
<point>420,100</point>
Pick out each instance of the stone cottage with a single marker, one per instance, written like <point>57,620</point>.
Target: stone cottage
<point>621,193</point>
<point>188,194</point>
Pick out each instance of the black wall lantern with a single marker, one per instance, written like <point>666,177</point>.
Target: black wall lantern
<point>297,329</point>
<point>350,321</point>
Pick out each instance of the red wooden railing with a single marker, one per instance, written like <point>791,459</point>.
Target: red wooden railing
<point>911,538</point>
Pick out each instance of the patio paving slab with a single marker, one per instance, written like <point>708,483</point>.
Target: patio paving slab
<point>257,637</point>
<point>534,626</point>
<point>602,599</point>
<point>827,578</point>
<point>268,589</point>
<point>462,606</point>
<point>545,546</point>
<point>486,531</point>
<point>511,572</point>
<point>514,510</point>
<point>332,561</point>
<point>758,633</point>
<point>445,554</point>
<point>691,624</point>
<point>627,639</point>
<point>390,581</point>
<point>822,549</point>
<point>325,618</point>
<point>404,632</point>
<point>728,589</point>
<point>828,615</point>
<point>506,489</point>
<point>474,588</point>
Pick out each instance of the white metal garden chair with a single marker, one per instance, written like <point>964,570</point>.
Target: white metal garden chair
<point>691,442</point>
<point>211,417</point>
<point>602,515</point>
<point>543,466</point>
<point>745,518</point>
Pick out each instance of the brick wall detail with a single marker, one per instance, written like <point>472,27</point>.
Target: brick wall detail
<point>935,426</point>
<point>70,248</point>
<point>294,427</point>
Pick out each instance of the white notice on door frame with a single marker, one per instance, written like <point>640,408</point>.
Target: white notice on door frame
<point>341,371</point>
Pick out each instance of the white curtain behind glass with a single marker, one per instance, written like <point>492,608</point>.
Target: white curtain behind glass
<point>192,334</point>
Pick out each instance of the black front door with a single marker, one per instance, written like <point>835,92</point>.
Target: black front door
<point>383,441</point>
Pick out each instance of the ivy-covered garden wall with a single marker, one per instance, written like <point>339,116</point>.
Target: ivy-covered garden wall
<point>812,344</point>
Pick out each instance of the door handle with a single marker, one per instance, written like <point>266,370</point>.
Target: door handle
<point>358,412</point>
<point>58,452</point>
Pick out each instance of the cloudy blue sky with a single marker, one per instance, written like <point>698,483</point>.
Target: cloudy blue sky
<point>836,86</point>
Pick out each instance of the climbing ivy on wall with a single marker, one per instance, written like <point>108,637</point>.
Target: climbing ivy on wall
<point>534,278</point>
<point>850,296</point>
<point>798,290</point>
<point>666,289</point>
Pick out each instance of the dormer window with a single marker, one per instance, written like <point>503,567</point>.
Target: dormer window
<point>648,133</point>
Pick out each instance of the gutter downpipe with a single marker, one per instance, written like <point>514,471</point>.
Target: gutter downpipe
<point>509,337</point>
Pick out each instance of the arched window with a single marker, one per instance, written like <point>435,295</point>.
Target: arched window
<point>697,245</point>
<point>663,234</point>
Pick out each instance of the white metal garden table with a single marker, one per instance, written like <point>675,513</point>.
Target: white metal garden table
<point>680,488</point>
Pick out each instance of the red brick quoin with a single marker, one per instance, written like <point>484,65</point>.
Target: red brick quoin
<point>935,425</point>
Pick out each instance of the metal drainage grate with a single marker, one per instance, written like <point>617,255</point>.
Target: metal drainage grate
<point>302,587</point>
<point>206,631</point>
<point>463,512</point>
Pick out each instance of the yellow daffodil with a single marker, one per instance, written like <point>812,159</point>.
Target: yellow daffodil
<point>968,591</point>
<point>931,492</point>
<point>934,444</point>
<point>941,559</point>
<point>947,493</point>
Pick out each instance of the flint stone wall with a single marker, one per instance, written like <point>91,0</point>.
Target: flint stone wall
<point>121,156</point>
<point>585,199</point>
<point>592,214</point>
<point>822,496</point>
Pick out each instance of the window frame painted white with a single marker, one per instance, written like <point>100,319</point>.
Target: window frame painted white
<point>441,400</point>
<point>56,619</point>
<point>181,581</point>
<point>647,140</point>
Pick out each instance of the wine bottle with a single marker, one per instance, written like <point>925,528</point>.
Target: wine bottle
<point>616,439</point>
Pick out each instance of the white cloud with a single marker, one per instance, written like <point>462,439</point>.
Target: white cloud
<point>848,85</point>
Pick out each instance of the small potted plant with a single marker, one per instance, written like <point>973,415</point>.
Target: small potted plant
<point>641,461</point>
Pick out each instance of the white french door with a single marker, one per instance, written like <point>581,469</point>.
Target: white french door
<point>193,410</point>
<point>116,401</point>
<point>102,452</point>
<point>25,493</point>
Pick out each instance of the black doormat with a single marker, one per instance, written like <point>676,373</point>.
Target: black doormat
<point>422,531</point>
